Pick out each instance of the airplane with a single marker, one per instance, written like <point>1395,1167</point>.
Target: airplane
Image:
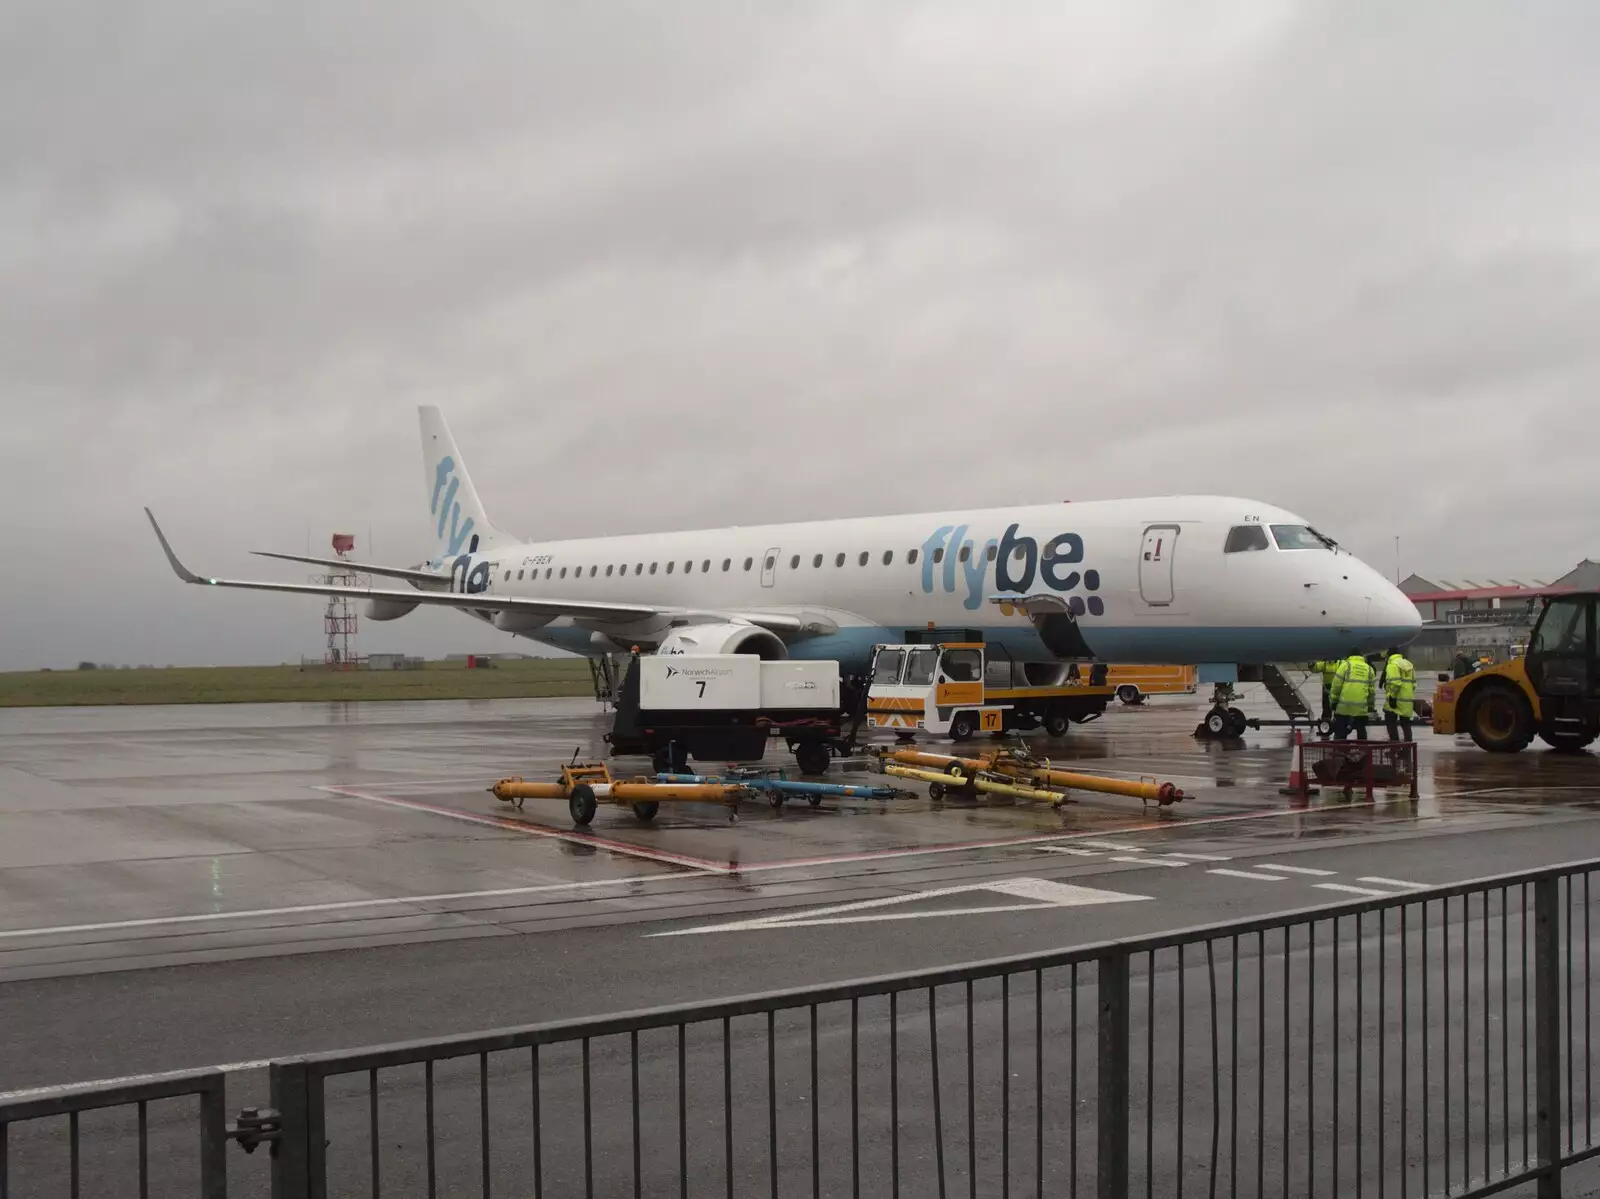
<point>1217,582</point>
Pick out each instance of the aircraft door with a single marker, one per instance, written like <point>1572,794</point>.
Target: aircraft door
<point>769,566</point>
<point>1155,564</point>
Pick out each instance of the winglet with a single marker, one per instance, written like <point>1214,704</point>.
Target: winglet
<point>178,568</point>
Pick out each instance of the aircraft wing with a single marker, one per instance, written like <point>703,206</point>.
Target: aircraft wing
<point>412,574</point>
<point>482,601</point>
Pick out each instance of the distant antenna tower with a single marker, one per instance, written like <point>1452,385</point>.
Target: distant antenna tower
<point>339,622</point>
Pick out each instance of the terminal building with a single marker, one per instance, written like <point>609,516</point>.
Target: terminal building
<point>1474,620</point>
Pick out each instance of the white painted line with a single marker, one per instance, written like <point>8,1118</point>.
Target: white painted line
<point>1266,878</point>
<point>1077,853</point>
<point>532,830</point>
<point>1041,894</point>
<point>1201,857</point>
<point>1297,869</point>
<point>130,1079</point>
<point>1122,846</point>
<point>1148,861</point>
<point>1395,882</point>
<point>336,906</point>
<point>1351,890</point>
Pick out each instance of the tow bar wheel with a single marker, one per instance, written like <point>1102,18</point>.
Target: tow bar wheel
<point>582,804</point>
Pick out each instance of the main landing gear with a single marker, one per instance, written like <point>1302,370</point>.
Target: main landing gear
<point>1224,722</point>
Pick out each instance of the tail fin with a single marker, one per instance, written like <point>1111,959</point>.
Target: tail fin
<point>460,524</point>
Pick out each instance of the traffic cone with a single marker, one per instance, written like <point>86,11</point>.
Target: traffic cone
<point>1299,785</point>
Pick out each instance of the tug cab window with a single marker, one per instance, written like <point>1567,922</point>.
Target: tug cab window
<point>962,665</point>
<point>1245,537</point>
<point>919,667</point>
<point>887,667</point>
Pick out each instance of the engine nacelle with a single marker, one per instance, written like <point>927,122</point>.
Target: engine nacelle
<point>725,639</point>
<point>375,609</point>
<point>1045,674</point>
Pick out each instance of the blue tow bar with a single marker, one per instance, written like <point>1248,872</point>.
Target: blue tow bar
<point>787,786</point>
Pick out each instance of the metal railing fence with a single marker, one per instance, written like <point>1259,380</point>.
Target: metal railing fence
<point>1436,1042</point>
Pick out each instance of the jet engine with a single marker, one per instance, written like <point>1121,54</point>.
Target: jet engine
<point>376,609</point>
<point>724,639</point>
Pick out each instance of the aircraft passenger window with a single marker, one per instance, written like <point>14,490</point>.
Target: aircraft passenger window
<point>887,668</point>
<point>863,559</point>
<point>964,553</point>
<point>688,567</point>
<point>991,553</point>
<point>638,568</point>
<point>816,562</point>
<point>623,569</point>
<point>1019,553</point>
<point>919,667</point>
<point>747,563</point>
<point>593,570</point>
<point>771,562</point>
<point>1299,537</point>
<point>653,567</point>
<point>911,557</point>
<point>705,567</point>
<point>888,557</point>
<point>609,569</point>
<point>670,565</point>
<point>794,562</point>
<point>563,572</point>
<point>547,571</point>
<point>838,560</point>
<point>1245,537</point>
<point>726,562</point>
<point>938,555</point>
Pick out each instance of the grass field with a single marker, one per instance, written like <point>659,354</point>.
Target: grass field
<point>272,684</point>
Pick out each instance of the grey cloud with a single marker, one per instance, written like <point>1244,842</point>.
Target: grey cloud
<point>747,258</point>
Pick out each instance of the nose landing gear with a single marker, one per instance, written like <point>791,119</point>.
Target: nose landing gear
<point>1224,722</point>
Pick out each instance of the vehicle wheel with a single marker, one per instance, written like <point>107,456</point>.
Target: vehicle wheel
<point>582,804</point>
<point>1130,695</point>
<point>1501,720</point>
<point>1324,729</point>
<point>1237,723</point>
<point>814,800</point>
<point>1566,742</point>
<point>936,791</point>
<point>1056,724</point>
<point>1217,722</point>
<point>647,810</point>
<point>812,757</point>
<point>962,726</point>
<point>776,799</point>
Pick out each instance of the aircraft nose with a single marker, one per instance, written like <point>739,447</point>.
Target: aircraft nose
<point>1399,611</point>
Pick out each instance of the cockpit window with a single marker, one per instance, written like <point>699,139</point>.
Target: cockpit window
<point>1301,537</point>
<point>1245,537</point>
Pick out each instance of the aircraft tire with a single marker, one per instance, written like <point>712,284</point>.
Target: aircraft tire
<point>1237,723</point>
<point>1216,722</point>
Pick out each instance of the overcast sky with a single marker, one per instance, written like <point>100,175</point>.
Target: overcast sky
<point>666,265</point>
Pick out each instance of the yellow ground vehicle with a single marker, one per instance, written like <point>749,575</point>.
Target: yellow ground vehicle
<point>1553,692</point>
<point>1133,683</point>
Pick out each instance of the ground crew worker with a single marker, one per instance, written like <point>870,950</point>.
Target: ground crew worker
<point>1352,688</point>
<point>1400,692</point>
<point>1327,669</point>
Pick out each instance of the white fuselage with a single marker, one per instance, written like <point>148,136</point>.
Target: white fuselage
<point>1137,580</point>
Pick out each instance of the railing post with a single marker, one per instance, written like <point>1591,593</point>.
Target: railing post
<point>291,1165</point>
<point>214,1138</point>
<point>1546,1027</point>
<point>1112,1113</point>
